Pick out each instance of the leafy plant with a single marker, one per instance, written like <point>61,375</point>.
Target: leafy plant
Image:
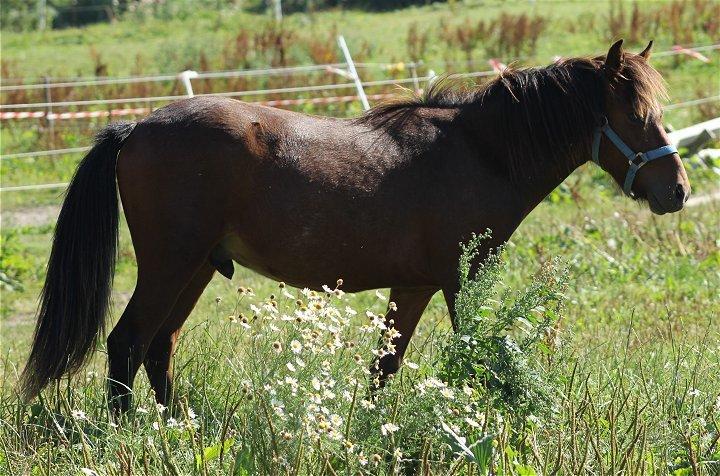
<point>499,347</point>
<point>14,265</point>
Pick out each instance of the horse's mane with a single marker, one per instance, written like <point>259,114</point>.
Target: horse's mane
<point>547,113</point>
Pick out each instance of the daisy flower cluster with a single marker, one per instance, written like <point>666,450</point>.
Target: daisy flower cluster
<point>310,363</point>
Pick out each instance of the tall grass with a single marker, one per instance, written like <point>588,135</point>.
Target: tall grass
<point>280,384</point>
<point>683,19</point>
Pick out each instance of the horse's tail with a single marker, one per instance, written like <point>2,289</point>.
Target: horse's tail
<point>76,295</point>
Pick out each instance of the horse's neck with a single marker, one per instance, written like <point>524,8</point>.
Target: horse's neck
<point>531,183</point>
<point>536,188</point>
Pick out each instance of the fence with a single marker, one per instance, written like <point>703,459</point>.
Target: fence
<point>10,111</point>
<point>97,81</point>
<point>257,92</point>
<point>681,137</point>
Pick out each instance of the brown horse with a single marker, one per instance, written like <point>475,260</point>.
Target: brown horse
<point>381,201</point>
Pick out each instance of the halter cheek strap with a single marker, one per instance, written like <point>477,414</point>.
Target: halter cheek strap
<point>635,159</point>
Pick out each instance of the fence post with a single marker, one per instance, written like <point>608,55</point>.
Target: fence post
<point>185,77</point>
<point>413,72</point>
<point>277,6</point>
<point>353,72</point>
<point>42,15</point>
<point>50,120</point>
<point>432,76</point>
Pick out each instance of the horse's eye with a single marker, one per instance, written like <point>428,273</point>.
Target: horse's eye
<point>636,118</point>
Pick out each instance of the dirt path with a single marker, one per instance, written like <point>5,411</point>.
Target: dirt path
<point>703,199</point>
<point>30,216</point>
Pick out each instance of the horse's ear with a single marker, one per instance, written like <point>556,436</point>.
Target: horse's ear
<point>646,52</point>
<point>614,58</point>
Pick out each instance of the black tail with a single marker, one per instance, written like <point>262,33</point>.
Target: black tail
<point>76,295</point>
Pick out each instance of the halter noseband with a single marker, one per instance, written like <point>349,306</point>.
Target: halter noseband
<point>635,159</point>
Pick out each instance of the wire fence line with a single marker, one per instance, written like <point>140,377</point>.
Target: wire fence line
<point>44,186</point>
<point>286,70</point>
<point>675,52</point>
<point>45,153</point>
<point>692,102</point>
<point>281,71</point>
<point>260,92</point>
<point>256,92</point>
<point>101,81</point>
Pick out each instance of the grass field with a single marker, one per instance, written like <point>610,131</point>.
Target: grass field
<point>622,379</point>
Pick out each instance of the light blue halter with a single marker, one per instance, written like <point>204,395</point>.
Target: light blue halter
<point>635,159</point>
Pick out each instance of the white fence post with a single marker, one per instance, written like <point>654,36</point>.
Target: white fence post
<point>277,6</point>
<point>432,76</point>
<point>353,72</point>
<point>695,136</point>
<point>185,77</point>
<point>50,119</point>
<point>413,72</point>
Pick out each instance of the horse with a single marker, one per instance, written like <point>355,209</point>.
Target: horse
<point>381,200</point>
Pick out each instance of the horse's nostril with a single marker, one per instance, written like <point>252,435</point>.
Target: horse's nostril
<point>680,193</point>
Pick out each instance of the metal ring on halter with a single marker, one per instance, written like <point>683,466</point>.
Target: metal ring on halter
<point>641,156</point>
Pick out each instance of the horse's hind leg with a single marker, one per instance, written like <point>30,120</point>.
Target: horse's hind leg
<point>161,278</point>
<point>158,359</point>
<point>410,305</point>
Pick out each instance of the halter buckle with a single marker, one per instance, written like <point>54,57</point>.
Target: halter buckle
<point>639,160</point>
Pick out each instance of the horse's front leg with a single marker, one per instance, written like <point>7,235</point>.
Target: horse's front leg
<point>405,310</point>
<point>450,293</point>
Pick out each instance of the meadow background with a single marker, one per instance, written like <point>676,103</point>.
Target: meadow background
<point>618,344</point>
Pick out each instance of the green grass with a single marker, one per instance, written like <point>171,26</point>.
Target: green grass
<point>167,45</point>
<point>632,371</point>
<point>185,38</point>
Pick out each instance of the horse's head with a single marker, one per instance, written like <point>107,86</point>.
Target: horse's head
<point>630,142</point>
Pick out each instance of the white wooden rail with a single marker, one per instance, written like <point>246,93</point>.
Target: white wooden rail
<point>697,135</point>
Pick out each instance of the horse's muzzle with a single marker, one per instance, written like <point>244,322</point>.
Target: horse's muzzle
<point>669,201</point>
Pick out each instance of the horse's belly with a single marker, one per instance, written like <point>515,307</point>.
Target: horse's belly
<point>270,263</point>
<point>313,268</point>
